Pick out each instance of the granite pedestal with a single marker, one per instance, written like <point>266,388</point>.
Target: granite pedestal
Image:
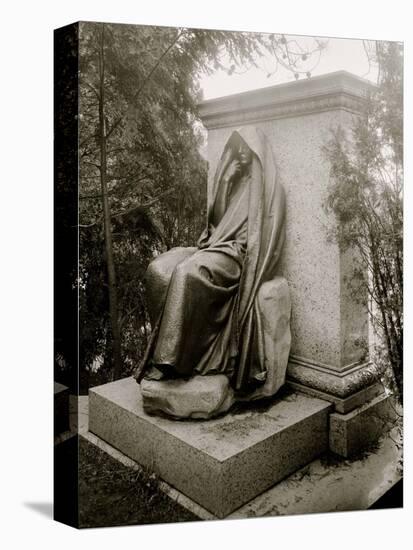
<point>330,331</point>
<point>362,427</point>
<point>329,323</point>
<point>223,463</point>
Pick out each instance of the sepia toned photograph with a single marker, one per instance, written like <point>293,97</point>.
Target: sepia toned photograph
<point>228,266</point>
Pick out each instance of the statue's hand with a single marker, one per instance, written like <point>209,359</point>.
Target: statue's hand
<point>233,170</point>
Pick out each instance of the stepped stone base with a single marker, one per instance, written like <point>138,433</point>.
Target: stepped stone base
<point>352,432</point>
<point>223,463</point>
<point>341,405</point>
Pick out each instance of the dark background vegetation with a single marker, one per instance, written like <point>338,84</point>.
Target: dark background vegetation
<point>366,196</point>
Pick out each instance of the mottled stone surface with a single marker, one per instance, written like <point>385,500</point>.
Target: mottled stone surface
<point>330,381</point>
<point>323,486</point>
<point>352,432</point>
<point>342,405</point>
<point>198,397</point>
<point>220,463</point>
<point>329,328</point>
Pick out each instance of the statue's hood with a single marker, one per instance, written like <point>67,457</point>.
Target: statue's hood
<point>255,139</point>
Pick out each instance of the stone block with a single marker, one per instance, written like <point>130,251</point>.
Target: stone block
<point>341,405</point>
<point>352,432</point>
<point>221,463</point>
<point>339,383</point>
<point>324,486</point>
<point>198,397</point>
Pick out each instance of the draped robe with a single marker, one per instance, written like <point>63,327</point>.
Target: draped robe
<point>202,299</point>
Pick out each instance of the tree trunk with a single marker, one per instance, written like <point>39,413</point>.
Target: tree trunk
<point>112,289</point>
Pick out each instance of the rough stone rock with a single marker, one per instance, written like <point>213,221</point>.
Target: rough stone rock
<point>198,397</point>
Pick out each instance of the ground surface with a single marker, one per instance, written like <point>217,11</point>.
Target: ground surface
<point>111,493</point>
<point>392,499</point>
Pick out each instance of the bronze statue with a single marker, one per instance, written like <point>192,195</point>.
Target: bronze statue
<point>203,300</point>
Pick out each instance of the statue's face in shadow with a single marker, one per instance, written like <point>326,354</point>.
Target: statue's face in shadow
<point>244,154</point>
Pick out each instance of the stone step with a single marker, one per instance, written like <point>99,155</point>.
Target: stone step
<point>222,463</point>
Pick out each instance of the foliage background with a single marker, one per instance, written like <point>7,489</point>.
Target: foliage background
<point>366,197</point>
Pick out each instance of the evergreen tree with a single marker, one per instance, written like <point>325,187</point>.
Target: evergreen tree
<point>366,195</point>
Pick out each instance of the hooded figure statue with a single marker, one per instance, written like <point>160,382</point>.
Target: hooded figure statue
<point>202,300</point>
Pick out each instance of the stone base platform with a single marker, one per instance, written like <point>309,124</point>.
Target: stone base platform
<point>223,463</point>
<point>352,432</point>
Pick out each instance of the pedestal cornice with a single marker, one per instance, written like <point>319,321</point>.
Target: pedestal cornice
<point>334,91</point>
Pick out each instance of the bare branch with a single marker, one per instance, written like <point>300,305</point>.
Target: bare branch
<point>145,205</point>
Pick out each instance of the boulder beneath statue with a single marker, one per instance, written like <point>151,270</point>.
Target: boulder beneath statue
<point>199,397</point>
